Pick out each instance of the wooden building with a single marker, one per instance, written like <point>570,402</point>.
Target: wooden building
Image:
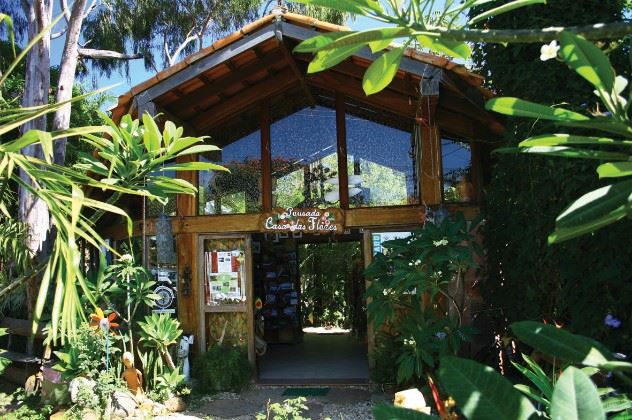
<point>312,145</point>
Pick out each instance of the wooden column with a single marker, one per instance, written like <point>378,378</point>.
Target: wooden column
<point>367,251</point>
<point>266,158</point>
<point>341,137</point>
<point>186,244</point>
<point>431,165</point>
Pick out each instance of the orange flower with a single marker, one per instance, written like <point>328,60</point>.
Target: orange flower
<point>99,320</point>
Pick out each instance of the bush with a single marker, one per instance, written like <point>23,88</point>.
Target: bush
<point>222,368</point>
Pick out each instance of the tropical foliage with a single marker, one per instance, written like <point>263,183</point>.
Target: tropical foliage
<point>416,296</point>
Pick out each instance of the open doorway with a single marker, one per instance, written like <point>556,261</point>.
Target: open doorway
<point>310,316</point>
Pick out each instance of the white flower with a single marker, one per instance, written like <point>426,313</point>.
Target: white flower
<point>548,51</point>
<point>386,292</point>
<point>126,258</point>
<point>408,342</point>
<point>442,242</point>
<point>124,125</point>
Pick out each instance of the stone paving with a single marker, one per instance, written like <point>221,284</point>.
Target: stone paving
<point>348,403</point>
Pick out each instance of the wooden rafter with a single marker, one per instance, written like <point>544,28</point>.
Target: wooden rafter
<point>298,73</point>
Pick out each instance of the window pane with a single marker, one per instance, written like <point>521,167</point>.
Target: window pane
<point>304,159</point>
<point>381,164</point>
<point>456,158</point>
<point>237,191</point>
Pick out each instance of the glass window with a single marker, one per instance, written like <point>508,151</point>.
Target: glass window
<point>305,160</point>
<point>237,191</point>
<point>166,277</point>
<point>381,164</point>
<point>456,158</point>
<point>224,272</point>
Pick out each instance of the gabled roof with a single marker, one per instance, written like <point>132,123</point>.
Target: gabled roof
<point>256,63</point>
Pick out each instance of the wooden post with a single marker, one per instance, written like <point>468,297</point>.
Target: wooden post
<point>266,159</point>
<point>341,134</point>
<point>431,173</point>
<point>186,244</point>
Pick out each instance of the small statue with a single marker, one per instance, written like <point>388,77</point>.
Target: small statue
<point>183,355</point>
<point>132,376</point>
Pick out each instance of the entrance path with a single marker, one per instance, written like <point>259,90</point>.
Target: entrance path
<point>348,403</point>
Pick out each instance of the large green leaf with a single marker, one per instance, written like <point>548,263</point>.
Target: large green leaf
<point>317,43</point>
<point>360,7</point>
<point>370,35</point>
<point>575,397</point>
<point>566,139</point>
<point>382,71</point>
<point>606,124</point>
<point>593,210</point>
<point>615,169</point>
<point>575,153</point>
<point>457,49</point>
<point>587,60</point>
<point>391,412</point>
<point>560,343</point>
<point>482,393</point>
<point>520,108</point>
<point>329,58</point>
<point>616,403</point>
<point>504,9</point>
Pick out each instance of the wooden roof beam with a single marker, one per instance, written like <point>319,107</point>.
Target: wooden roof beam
<point>221,83</point>
<point>298,73</point>
<point>263,90</point>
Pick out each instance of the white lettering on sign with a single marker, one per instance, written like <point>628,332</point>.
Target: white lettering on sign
<point>302,220</point>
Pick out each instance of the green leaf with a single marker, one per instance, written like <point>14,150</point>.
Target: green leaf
<point>594,210</point>
<point>606,124</point>
<point>533,394</point>
<point>575,397</point>
<point>520,108</point>
<point>573,152</point>
<point>615,170</point>
<point>391,412</point>
<point>457,49</point>
<point>360,7</point>
<point>329,58</point>
<point>566,139</point>
<point>482,393</point>
<point>317,43</point>
<point>616,403</point>
<point>504,9</point>
<point>151,133</point>
<point>382,71</point>
<point>560,343</point>
<point>195,166</point>
<point>370,35</point>
<point>200,148</point>
<point>587,60</point>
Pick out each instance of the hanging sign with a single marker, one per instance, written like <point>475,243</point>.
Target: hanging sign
<point>305,220</point>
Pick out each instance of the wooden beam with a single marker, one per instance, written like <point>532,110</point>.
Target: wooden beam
<point>210,61</point>
<point>225,81</point>
<point>298,73</point>
<point>266,158</point>
<point>341,136</point>
<point>386,100</point>
<point>188,129</point>
<point>261,91</point>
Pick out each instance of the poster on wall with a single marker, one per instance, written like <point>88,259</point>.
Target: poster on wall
<point>223,272</point>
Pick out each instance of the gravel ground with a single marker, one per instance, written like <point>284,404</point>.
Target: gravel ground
<point>340,403</point>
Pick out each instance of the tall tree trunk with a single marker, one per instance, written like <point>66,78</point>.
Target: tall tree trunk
<point>67,71</point>
<point>31,210</point>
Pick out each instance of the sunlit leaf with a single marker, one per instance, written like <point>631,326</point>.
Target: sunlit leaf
<point>575,397</point>
<point>516,4</point>
<point>520,108</point>
<point>587,60</point>
<point>382,71</point>
<point>457,49</point>
<point>615,169</point>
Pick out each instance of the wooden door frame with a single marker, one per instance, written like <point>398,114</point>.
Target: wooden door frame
<point>249,283</point>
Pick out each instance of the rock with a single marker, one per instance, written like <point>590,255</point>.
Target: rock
<point>76,384</point>
<point>175,405</point>
<point>90,415</point>
<point>159,409</point>
<point>412,399</point>
<point>122,404</point>
<point>58,415</point>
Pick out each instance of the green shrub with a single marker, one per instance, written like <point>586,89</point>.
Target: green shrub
<point>222,368</point>
<point>287,410</point>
